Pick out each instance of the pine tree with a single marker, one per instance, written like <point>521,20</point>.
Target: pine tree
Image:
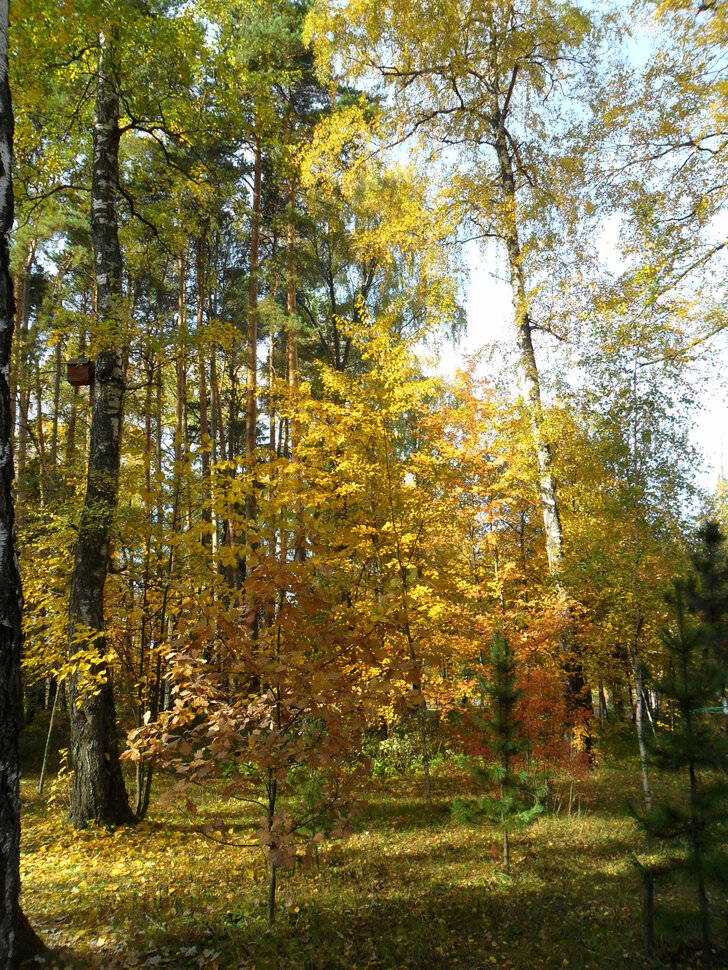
<point>519,799</point>
<point>697,747</point>
<point>707,597</point>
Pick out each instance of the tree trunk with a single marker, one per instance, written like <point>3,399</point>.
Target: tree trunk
<point>425,751</point>
<point>603,709</point>
<point>271,390</point>
<point>70,455</point>
<point>158,435</point>
<point>231,571</point>
<point>251,410</point>
<point>640,714</point>
<point>43,478</point>
<point>576,694</point>
<point>144,684</point>
<point>53,470</point>
<point>527,360</point>
<point>181,440</point>
<point>99,793</point>
<point>291,336</point>
<point>233,408</point>
<point>224,453</point>
<point>638,618</point>
<point>697,819</point>
<point>11,598</point>
<point>273,868</point>
<point>20,419</point>
<point>22,301</point>
<point>202,386</point>
<point>418,685</point>
<point>47,749</point>
<point>506,840</point>
<point>292,364</point>
<point>648,912</point>
<point>180,451</point>
<point>251,406</point>
<point>272,880</point>
<point>17,940</point>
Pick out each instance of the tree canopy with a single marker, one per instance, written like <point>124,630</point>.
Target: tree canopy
<point>270,548</point>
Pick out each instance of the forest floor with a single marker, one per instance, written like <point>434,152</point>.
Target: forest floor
<point>410,889</point>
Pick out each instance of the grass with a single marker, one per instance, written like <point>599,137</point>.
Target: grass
<point>409,889</point>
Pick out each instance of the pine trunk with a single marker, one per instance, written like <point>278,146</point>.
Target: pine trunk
<point>99,793</point>
<point>202,386</point>
<point>292,366</point>
<point>251,410</point>
<point>291,336</point>
<point>251,407</point>
<point>181,438</point>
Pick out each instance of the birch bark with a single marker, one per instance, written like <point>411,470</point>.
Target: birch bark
<point>99,793</point>
<point>17,939</point>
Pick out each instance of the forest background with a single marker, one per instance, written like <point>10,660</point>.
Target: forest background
<point>267,546</point>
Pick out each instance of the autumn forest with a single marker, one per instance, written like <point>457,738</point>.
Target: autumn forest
<point>317,649</point>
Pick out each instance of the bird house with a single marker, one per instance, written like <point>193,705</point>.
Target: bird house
<point>80,373</point>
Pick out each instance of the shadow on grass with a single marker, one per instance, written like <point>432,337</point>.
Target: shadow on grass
<point>440,928</point>
<point>517,922</point>
<point>411,890</point>
<point>393,814</point>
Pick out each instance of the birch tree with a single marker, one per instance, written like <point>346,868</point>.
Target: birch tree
<point>118,40</point>
<point>489,79</point>
<point>17,939</point>
<point>10,591</point>
<point>99,793</point>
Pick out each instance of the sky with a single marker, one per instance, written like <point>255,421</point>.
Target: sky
<point>489,312</point>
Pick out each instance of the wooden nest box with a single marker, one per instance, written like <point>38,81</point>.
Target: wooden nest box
<point>80,373</point>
